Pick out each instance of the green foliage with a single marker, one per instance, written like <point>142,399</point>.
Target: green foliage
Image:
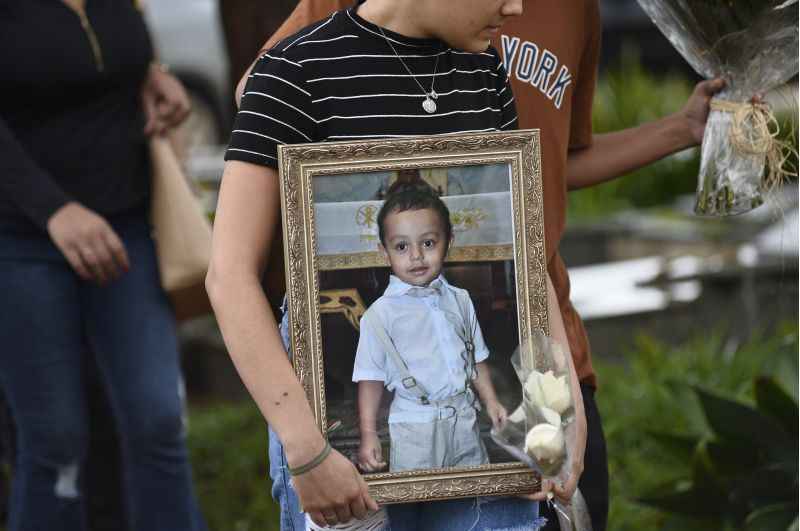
<point>745,475</point>
<point>228,451</point>
<point>628,96</point>
<point>653,447</point>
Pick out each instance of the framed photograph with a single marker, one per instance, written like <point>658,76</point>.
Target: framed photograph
<point>336,270</point>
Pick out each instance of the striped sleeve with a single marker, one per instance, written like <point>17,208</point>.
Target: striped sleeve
<point>508,107</point>
<point>275,109</point>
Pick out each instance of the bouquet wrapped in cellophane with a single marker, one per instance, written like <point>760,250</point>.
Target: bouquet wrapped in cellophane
<point>752,44</point>
<point>539,431</point>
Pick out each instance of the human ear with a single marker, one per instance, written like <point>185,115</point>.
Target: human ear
<point>383,252</point>
<point>449,244</point>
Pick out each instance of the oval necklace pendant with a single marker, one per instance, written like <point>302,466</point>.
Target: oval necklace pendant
<point>429,105</point>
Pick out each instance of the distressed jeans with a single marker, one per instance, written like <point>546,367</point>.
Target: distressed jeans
<point>470,514</point>
<point>50,321</point>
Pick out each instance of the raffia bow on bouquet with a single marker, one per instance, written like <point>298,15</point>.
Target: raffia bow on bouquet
<point>539,431</point>
<point>752,44</point>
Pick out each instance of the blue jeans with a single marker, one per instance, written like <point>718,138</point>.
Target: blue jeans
<point>469,514</point>
<point>475,514</point>
<point>50,321</point>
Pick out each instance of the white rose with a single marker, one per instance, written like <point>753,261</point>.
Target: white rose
<point>517,416</point>
<point>545,442</point>
<point>547,390</point>
<point>551,416</point>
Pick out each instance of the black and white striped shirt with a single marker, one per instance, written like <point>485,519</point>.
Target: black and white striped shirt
<point>339,79</point>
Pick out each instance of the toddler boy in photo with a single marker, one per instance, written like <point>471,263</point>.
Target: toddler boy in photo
<point>421,340</point>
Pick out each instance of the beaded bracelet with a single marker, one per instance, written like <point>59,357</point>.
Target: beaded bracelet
<point>302,469</point>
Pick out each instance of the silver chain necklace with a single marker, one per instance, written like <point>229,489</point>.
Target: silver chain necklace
<point>429,104</point>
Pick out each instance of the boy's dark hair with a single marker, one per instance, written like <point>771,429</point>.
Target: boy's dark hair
<point>414,195</point>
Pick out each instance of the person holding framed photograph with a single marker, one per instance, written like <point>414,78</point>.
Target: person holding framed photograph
<point>551,54</point>
<point>382,69</point>
<point>422,341</point>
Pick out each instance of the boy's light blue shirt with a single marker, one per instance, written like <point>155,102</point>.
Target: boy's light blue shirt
<point>429,344</point>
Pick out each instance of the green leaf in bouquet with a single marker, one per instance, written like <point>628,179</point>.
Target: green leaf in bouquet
<point>777,517</point>
<point>775,402</point>
<point>738,422</point>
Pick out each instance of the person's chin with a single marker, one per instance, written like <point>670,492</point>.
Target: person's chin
<point>421,278</point>
<point>477,45</point>
<point>473,44</point>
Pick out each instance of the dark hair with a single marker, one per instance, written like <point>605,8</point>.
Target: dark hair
<point>414,195</point>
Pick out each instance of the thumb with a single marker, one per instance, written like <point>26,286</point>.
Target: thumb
<point>711,86</point>
<point>378,456</point>
<point>368,501</point>
<point>150,114</point>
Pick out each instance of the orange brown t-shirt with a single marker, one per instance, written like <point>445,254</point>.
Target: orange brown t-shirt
<point>551,54</point>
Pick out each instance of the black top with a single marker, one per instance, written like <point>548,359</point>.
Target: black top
<point>71,124</point>
<point>339,79</point>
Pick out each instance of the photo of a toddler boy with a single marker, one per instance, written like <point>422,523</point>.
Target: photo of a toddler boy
<point>421,340</point>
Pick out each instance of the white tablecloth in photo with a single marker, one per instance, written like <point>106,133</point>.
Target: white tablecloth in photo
<point>351,227</point>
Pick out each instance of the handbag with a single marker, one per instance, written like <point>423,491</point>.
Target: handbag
<point>181,231</point>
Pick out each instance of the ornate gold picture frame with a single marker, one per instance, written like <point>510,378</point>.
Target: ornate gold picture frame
<point>330,195</point>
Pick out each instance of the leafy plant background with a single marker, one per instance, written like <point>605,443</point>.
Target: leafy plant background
<point>228,452</point>
<point>658,381</point>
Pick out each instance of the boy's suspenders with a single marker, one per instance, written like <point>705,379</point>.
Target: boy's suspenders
<point>409,382</point>
<point>465,331</point>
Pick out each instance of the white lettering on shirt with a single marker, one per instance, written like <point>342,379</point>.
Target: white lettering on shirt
<point>539,72</point>
<point>545,70</point>
<point>557,89</point>
<point>509,50</point>
<point>527,60</point>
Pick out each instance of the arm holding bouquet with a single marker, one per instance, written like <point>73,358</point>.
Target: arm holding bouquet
<point>565,485</point>
<point>611,155</point>
<point>753,46</point>
<point>576,432</point>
